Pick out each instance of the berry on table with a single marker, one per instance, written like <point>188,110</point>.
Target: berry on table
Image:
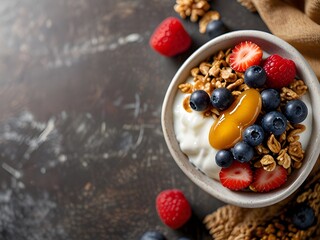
<point>221,98</point>
<point>224,158</point>
<point>173,208</point>
<point>216,28</point>
<point>236,177</point>
<point>243,152</point>
<point>199,100</point>
<point>274,122</point>
<point>270,99</point>
<point>170,38</point>
<point>303,216</point>
<point>253,135</point>
<point>255,76</point>
<point>153,235</point>
<point>265,181</point>
<point>245,55</point>
<point>296,111</point>
<point>280,71</point>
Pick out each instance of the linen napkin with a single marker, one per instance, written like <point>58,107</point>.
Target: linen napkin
<point>297,22</point>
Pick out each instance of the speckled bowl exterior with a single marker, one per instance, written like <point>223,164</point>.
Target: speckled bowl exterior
<point>271,45</point>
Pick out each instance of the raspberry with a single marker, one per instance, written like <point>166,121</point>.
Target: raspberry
<point>173,208</point>
<point>280,71</point>
<point>170,38</point>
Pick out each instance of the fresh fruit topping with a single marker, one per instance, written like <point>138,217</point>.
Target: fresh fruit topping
<point>255,76</point>
<point>274,122</point>
<point>296,111</point>
<point>245,55</point>
<point>221,98</point>
<point>199,100</point>
<point>236,177</point>
<point>303,216</point>
<point>173,208</point>
<point>253,135</point>
<point>243,152</point>
<point>265,181</point>
<point>243,112</point>
<point>216,28</point>
<point>152,235</point>
<point>280,71</point>
<point>170,38</point>
<point>224,158</point>
<point>270,99</point>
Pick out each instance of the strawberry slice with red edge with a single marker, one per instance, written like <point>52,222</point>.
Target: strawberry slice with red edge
<point>236,177</point>
<point>245,55</point>
<point>265,181</point>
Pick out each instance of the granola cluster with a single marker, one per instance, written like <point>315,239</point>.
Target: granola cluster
<point>211,74</point>
<point>215,72</point>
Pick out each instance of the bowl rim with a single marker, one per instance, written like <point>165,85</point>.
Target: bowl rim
<point>243,199</point>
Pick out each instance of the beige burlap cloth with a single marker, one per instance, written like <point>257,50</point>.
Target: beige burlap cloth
<point>297,22</point>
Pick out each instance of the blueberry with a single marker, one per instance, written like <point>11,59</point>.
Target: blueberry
<point>274,122</point>
<point>224,158</point>
<point>255,76</point>
<point>270,99</point>
<point>243,152</point>
<point>296,111</point>
<point>303,216</point>
<point>199,100</point>
<point>216,28</point>
<point>153,235</point>
<point>221,98</point>
<point>253,135</point>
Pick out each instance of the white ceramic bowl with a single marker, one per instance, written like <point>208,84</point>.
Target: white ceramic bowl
<point>271,45</point>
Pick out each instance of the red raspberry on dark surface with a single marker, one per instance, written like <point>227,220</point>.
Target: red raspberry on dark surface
<point>170,38</point>
<point>280,71</point>
<point>173,208</point>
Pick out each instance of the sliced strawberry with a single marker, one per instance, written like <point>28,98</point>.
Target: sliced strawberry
<point>265,181</point>
<point>244,55</point>
<point>236,177</point>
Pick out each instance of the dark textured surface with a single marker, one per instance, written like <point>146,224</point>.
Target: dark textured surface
<point>82,155</point>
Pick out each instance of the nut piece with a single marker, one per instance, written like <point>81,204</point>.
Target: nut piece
<point>268,163</point>
<point>191,8</point>
<point>208,17</point>
<point>299,87</point>
<point>186,87</point>
<point>284,159</point>
<point>273,144</point>
<point>295,151</point>
<point>287,94</point>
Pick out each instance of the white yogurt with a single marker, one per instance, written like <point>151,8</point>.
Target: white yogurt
<point>192,132</point>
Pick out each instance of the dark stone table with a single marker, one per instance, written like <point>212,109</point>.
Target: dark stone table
<point>82,154</point>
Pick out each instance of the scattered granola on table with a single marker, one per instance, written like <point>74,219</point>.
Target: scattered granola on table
<point>194,9</point>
